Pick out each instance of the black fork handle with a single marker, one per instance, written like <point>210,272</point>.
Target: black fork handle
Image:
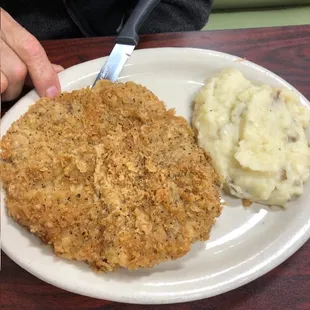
<point>129,33</point>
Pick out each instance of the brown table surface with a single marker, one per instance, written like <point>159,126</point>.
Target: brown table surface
<point>283,50</point>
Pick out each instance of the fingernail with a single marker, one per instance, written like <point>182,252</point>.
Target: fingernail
<point>52,92</point>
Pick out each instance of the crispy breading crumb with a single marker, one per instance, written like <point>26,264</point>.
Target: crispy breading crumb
<point>246,202</point>
<point>110,177</point>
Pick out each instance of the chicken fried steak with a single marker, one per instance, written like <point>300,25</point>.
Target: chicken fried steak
<point>110,177</point>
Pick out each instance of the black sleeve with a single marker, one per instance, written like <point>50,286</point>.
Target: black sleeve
<point>178,15</point>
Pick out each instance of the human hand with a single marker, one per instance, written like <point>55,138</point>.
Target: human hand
<point>22,54</point>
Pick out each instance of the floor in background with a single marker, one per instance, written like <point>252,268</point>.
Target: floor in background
<point>259,18</point>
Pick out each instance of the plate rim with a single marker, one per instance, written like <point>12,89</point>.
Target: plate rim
<point>300,237</point>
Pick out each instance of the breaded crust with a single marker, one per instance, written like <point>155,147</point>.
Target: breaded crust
<point>110,177</point>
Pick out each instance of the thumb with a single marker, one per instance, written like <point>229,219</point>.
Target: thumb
<point>31,52</point>
<point>28,82</point>
<point>58,68</point>
<point>43,73</point>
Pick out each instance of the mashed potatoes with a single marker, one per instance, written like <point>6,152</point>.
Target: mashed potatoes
<point>255,136</point>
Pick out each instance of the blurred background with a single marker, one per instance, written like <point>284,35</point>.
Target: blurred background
<point>234,14</point>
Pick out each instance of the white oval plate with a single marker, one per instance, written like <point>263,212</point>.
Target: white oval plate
<point>245,243</point>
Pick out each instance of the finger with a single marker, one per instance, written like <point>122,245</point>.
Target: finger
<point>30,51</point>
<point>58,68</point>
<point>4,83</point>
<point>14,70</point>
